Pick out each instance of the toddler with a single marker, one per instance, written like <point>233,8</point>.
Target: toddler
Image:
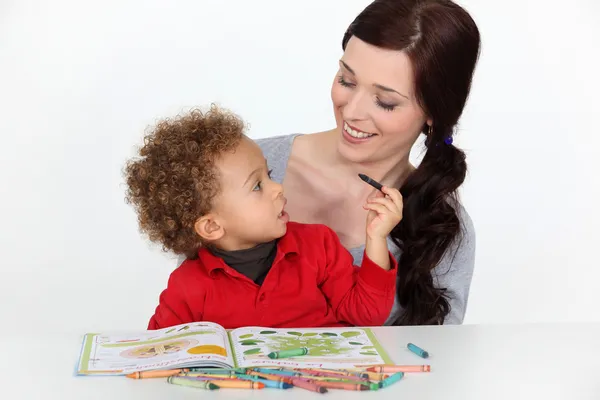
<point>202,188</point>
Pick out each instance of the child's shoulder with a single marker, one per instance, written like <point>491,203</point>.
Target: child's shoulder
<point>189,269</point>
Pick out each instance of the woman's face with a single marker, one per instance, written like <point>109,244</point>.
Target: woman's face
<point>376,112</point>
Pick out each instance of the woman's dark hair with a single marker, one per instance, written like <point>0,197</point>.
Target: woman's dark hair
<point>442,41</point>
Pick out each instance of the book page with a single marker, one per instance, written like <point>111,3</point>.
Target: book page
<point>192,344</point>
<point>327,347</point>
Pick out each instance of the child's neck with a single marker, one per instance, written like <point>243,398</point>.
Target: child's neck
<point>229,244</point>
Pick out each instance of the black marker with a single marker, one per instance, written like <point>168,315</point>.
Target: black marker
<point>371,182</point>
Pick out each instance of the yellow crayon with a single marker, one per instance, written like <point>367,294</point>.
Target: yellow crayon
<point>156,373</point>
<point>238,384</point>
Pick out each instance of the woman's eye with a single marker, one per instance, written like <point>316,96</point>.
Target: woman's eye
<point>385,106</point>
<point>344,83</point>
<point>256,187</point>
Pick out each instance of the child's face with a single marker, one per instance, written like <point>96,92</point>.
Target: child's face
<point>250,207</point>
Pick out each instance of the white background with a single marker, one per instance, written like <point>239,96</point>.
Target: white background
<point>81,80</point>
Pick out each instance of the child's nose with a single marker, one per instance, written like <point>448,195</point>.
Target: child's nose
<point>278,189</point>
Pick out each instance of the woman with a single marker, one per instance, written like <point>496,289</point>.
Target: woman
<point>406,69</point>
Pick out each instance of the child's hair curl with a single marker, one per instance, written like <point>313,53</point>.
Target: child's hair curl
<point>174,180</point>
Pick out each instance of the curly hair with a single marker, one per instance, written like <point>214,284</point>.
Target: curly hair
<point>174,180</point>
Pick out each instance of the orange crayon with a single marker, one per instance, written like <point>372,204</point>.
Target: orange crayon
<point>237,384</point>
<point>276,378</point>
<point>310,373</point>
<point>156,374</point>
<point>400,368</point>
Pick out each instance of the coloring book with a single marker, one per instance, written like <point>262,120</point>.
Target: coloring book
<point>205,344</point>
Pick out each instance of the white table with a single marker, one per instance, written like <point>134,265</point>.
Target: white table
<point>539,361</point>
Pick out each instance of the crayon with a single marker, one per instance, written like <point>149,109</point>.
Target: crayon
<point>307,385</point>
<point>331,375</point>
<point>392,379</point>
<point>214,375</point>
<point>298,382</point>
<point>417,350</point>
<point>238,384</point>
<point>271,377</point>
<point>218,370</point>
<point>371,181</point>
<point>277,371</point>
<point>343,385</point>
<point>268,383</point>
<point>343,372</point>
<point>302,351</point>
<point>211,378</point>
<point>336,379</point>
<point>156,373</point>
<point>361,373</point>
<point>176,380</point>
<point>400,368</point>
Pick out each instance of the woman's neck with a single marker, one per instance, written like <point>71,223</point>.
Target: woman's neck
<point>391,172</point>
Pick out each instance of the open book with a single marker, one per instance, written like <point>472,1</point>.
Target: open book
<point>205,344</point>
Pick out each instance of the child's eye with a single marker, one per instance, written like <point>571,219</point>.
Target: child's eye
<point>257,187</point>
<point>269,173</point>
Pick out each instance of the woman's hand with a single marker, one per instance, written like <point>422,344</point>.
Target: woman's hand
<point>385,212</point>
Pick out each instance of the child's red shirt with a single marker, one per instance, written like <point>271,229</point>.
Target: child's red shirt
<point>312,283</point>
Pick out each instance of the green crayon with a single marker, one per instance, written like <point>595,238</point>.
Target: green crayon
<point>302,351</point>
<point>181,381</point>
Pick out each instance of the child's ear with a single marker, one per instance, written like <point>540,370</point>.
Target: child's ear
<point>209,228</point>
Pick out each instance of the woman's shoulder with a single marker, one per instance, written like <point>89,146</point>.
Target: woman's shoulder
<point>466,238</point>
<point>274,146</point>
<point>277,150</point>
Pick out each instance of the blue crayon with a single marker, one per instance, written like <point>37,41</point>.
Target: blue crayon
<point>268,383</point>
<point>277,372</point>
<point>417,350</point>
<point>391,379</point>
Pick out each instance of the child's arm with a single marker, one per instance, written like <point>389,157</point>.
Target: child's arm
<point>364,296</point>
<point>174,308</point>
<point>359,296</point>
<point>385,212</point>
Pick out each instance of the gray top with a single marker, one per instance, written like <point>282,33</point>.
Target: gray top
<point>455,270</point>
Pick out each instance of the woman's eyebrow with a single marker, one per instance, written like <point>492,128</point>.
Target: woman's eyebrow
<point>377,85</point>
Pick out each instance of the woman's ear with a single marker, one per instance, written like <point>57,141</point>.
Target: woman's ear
<point>209,228</point>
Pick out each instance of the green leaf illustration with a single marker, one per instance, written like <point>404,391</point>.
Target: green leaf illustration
<point>328,334</point>
<point>246,336</point>
<point>368,353</point>
<point>355,343</point>
<point>252,351</point>
<point>350,334</point>
<point>267,332</point>
<point>295,333</point>
<point>309,334</point>
<point>251,342</point>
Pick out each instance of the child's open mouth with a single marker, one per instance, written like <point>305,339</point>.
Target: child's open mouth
<point>283,216</point>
